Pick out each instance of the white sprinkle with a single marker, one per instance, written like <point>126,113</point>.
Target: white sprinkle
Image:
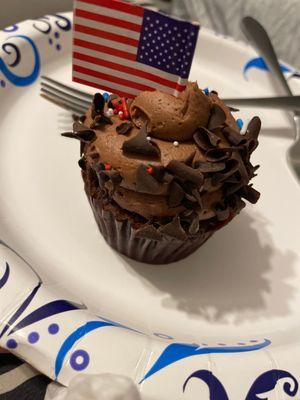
<point>148,138</point>
<point>160,28</point>
<point>109,112</point>
<point>150,34</point>
<point>157,21</point>
<point>176,144</point>
<point>151,25</point>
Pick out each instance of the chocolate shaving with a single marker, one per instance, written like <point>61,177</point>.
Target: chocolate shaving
<point>253,128</point>
<point>124,128</point>
<point>77,118</point>
<point>98,104</point>
<point>190,158</point>
<point>82,146</point>
<point>82,163</point>
<point>185,172</point>
<point>233,109</point>
<point>84,136</point>
<point>173,229</point>
<point>140,145</point>
<point>217,117</point>
<point>231,167</point>
<point>145,183</point>
<point>250,194</point>
<point>233,188</point>
<point>198,197</point>
<point>114,177</point>
<point>159,173</point>
<point>233,136</point>
<point>222,212</point>
<point>217,155</point>
<point>111,98</point>
<point>206,167</point>
<point>148,232</point>
<point>190,198</point>
<point>176,194</point>
<point>100,120</point>
<point>194,226</point>
<point>206,139</point>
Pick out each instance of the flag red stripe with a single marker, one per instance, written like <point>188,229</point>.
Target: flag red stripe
<point>106,35</point>
<point>107,88</point>
<point>129,70</point>
<point>108,20</point>
<point>118,6</point>
<point>105,49</point>
<point>111,78</point>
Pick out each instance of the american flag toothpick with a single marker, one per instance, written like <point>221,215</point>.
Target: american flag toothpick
<point>123,48</point>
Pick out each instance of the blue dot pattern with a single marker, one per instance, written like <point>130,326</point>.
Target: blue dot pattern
<point>167,44</point>
<point>33,337</point>
<point>53,329</point>
<point>11,344</point>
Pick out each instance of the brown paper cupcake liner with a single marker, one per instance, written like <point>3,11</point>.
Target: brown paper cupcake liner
<point>121,236</point>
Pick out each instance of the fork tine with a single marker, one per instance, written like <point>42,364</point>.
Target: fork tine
<point>68,88</point>
<point>62,103</point>
<point>64,95</point>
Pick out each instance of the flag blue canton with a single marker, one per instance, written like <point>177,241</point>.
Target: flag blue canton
<point>167,44</point>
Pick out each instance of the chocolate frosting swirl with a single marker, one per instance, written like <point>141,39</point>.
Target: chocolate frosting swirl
<point>171,118</point>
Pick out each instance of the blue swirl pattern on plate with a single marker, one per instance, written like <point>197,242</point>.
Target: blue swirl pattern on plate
<point>14,78</point>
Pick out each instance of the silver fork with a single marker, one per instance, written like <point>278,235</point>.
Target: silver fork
<point>78,101</point>
<point>258,36</point>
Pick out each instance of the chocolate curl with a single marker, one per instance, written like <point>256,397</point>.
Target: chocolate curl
<point>98,105</point>
<point>250,194</point>
<point>234,137</point>
<point>194,226</point>
<point>253,128</point>
<point>148,232</point>
<point>114,177</point>
<point>220,154</point>
<point>173,230</point>
<point>185,172</point>
<point>124,128</point>
<point>84,136</point>
<point>222,211</point>
<point>101,120</point>
<point>140,145</point>
<point>206,167</point>
<point>176,194</point>
<point>206,139</point>
<point>231,167</point>
<point>146,183</point>
<point>217,117</point>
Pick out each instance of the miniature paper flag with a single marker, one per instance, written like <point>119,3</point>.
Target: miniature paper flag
<point>123,48</point>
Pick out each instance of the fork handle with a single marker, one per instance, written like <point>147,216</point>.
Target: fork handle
<point>289,103</point>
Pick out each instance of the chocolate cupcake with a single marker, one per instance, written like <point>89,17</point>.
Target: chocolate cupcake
<point>161,173</point>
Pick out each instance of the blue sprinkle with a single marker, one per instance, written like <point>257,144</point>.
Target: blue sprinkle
<point>11,344</point>
<point>206,91</point>
<point>106,96</point>
<point>58,47</point>
<point>240,123</point>
<point>2,83</point>
<point>50,41</point>
<point>56,34</point>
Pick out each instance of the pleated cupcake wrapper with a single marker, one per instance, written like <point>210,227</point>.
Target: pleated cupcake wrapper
<point>57,334</point>
<point>122,237</point>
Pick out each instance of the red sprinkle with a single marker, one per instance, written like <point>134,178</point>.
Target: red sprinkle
<point>125,108</point>
<point>107,167</point>
<point>150,170</point>
<point>116,111</point>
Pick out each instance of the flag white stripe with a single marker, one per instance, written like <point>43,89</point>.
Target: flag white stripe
<point>108,12</point>
<point>120,74</point>
<point>105,42</point>
<point>128,63</point>
<point>114,86</point>
<point>106,27</point>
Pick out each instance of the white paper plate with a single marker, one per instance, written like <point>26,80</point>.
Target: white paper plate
<point>230,311</point>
